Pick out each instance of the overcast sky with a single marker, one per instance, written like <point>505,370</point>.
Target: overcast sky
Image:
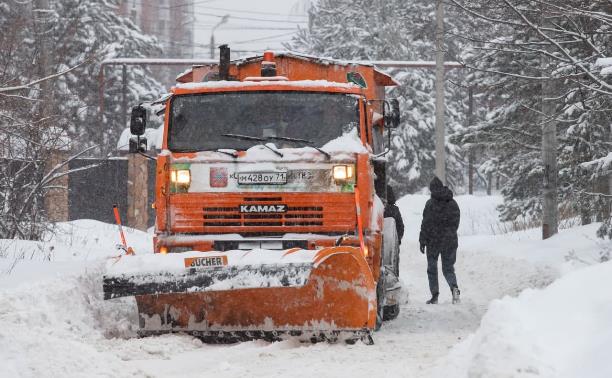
<point>252,25</point>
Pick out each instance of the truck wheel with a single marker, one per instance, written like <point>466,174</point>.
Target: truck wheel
<point>380,295</point>
<point>391,312</point>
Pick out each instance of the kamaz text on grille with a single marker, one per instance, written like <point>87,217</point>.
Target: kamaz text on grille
<point>263,208</point>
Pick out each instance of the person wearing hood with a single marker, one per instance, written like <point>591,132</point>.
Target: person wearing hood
<point>392,211</point>
<point>438,237</point>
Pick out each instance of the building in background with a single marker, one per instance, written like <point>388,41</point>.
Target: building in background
<point>172,22</point>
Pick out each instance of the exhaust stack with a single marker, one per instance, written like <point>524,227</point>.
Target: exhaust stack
<point>224,62</point>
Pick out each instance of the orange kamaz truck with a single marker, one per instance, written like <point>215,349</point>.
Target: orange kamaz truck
<point>270,192</point>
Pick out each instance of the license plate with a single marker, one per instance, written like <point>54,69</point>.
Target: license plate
<point>256,178</point>
<point>205,262</point>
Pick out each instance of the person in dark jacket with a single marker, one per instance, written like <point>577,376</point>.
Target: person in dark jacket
<point>439,237</point>
<point>392,211</point>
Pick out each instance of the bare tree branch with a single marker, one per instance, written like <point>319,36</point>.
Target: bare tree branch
<point>559,47</point>
<point>38,81</point>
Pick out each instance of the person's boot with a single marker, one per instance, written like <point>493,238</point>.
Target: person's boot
<point>434,299</point>
<point>456,295</point>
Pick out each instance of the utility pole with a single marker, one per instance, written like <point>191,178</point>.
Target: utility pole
<point>124,106</point>
<point>470,121</point>
<point>440,148</point>
<point>212,34</point>
<point>212,46</point>
<point>40,16</point>
<point>550,214</point>
<point>550,221</point>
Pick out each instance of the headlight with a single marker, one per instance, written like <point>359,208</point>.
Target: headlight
<point>344,176</point>
<point>344,172</point>
<point>180,180</point>
<point>182,176</point>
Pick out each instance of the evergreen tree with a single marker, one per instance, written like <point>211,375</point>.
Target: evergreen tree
<point>525,42</point>
<point>93,29</point>
<point>53,57</point>
<point>78,32</point>
<point>393,30</point>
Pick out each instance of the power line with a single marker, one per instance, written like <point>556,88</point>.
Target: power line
<point>229,43</point>
<point>260,39</point>
<point>249,18</point>
<point>148,4</point>
<point>246,27</point>
<point>255,12</point>
<point>187,4</point>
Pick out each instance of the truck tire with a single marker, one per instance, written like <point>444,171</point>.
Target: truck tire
<point>391,254</point>
<point>391,246</point>
<point>391,312</point>
<point>380,309</point>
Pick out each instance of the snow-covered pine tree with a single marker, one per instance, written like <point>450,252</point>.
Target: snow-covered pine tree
<point>76,33</point>
<point>393,30</point>
<point>509,125</point>
<point>508,63</point>
<point>90,28</point>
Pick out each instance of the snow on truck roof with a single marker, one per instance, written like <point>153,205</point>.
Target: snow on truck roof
<point>325,61</point>
<point>242,84</point>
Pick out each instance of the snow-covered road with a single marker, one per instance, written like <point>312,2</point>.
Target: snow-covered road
<point>406,347</point>
<point>60,326</point>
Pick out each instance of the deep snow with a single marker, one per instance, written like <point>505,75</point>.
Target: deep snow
<point>54,322</point>
<point>560,331</point>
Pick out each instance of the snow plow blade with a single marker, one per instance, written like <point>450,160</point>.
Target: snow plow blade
<point>193,280</point>
<point>318,291</point>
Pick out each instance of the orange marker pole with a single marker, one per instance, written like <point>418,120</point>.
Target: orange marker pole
<point>359,222</point>
<point>128,250</point>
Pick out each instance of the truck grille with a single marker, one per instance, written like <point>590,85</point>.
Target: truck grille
<point>220,213</point>
<point>295,216</point>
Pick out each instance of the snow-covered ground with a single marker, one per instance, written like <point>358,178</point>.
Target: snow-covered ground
<point>53,321</point>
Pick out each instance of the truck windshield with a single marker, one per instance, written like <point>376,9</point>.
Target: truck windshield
<point>198,122</point>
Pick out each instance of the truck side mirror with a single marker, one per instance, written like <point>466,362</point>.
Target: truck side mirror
<point>138,121</point>
<point>392,116</point>
<point>138,144</point>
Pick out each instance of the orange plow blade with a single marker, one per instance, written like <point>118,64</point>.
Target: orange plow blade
<point>325,290</point>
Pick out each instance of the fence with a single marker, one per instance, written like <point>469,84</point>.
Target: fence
<point>128,182</point>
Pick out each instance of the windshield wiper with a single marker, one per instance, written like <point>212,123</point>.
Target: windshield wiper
<point>248,137</point>
<point>189,150</point>
<point>183,150</point>
<point>221,151</point>
<point>307,142</point>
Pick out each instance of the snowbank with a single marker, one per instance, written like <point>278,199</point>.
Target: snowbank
<point>569,250</point>
<point>53,321</point>
<point>57,328</point>
<point>72,248</point>
<point>560,331</point>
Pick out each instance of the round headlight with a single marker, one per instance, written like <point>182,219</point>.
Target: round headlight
<point>340,172</point>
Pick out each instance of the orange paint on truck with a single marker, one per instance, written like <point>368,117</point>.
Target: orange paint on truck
<point>340,293</point>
